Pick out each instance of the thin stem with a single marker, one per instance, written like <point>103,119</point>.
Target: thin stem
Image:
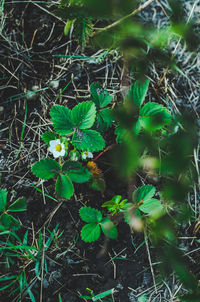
<point>133,13</point>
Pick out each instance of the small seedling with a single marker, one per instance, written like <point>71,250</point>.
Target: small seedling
<point>6,218</point>
<point>95,223</point>
<point>143,202</point>
<point>115,205</point>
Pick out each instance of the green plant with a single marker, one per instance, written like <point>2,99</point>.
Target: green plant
<point>16,250</point>
<point>66,174</point>
<point>76,123</point>
<point>69,122</point>
<point>115,205</point>
<point>143,203</point>
<point>6,218</point>
<point>95,223</point>
<point>150,117</point>
<point>101,99</point>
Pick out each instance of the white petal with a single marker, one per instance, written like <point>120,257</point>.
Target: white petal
<point>51,149</point>
<point>84,156</point>
<point>56,154</point>
<point>62,152</point>
<point>90,155</point>
<point>54,142</point>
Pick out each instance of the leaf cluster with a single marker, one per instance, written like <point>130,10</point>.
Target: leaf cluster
<point>66,174</point>
<point>95,223</point>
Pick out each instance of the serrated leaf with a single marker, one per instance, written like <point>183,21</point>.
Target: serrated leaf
<point>104,119</point>
<point>99,95</point>
<point>70,165</point>
<point>3,199</point>
<point>109,229</point>
<point>18,206</point>
<point>9,222</point>
<point>61,119</point>
<point>46,168</point>
<point>88,140</point>
<point>49,136</point>
<point>151,205</point>
<point>143,193</point>
<point>83,28</point>
<point>154,116</point>
<point>64,186</point>
<point>83,115</point>
<point>97,183</point>
<point>90,215</point>
<point>137,92</point>
<point>90,232</point>
<point>76,171</point>
<point>121,134</point>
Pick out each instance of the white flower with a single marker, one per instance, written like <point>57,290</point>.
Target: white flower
<point>57,148</point>
<point>86,154</point>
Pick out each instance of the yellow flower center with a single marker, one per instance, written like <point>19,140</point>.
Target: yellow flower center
<point>58,147</point>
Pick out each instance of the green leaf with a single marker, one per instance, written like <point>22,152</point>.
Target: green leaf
<point>104,119</point>
<point>109,229</point>
<point>90,215</point>
<point>64,186</point>
<point>46,168</point>
<point>100,96</point>
<point>80,176</point>
<point>98,183</point>
<point>137,92</point>
<point>49,136</point>
<point>76,171</point>
<point>151,205</point>
<point>83,115</point>
<point>154,116</point>
<point>90,232</point>
<point>61,119</point>
<point>9,222</point>
<point>88,140</point>
<point>109,204</point>
<point>83,28</point>
<point>3,199</point>
<point>18,206</point>
<point>137,127</point>
<point>143,193</point>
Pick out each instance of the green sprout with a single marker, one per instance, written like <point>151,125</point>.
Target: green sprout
<point>115,205</point>
<point>143,203</point>
<point>95,223</point>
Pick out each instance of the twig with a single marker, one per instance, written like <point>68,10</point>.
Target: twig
<point>133,13</point>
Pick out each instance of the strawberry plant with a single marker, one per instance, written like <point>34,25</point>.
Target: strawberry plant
<point>95,223</point>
